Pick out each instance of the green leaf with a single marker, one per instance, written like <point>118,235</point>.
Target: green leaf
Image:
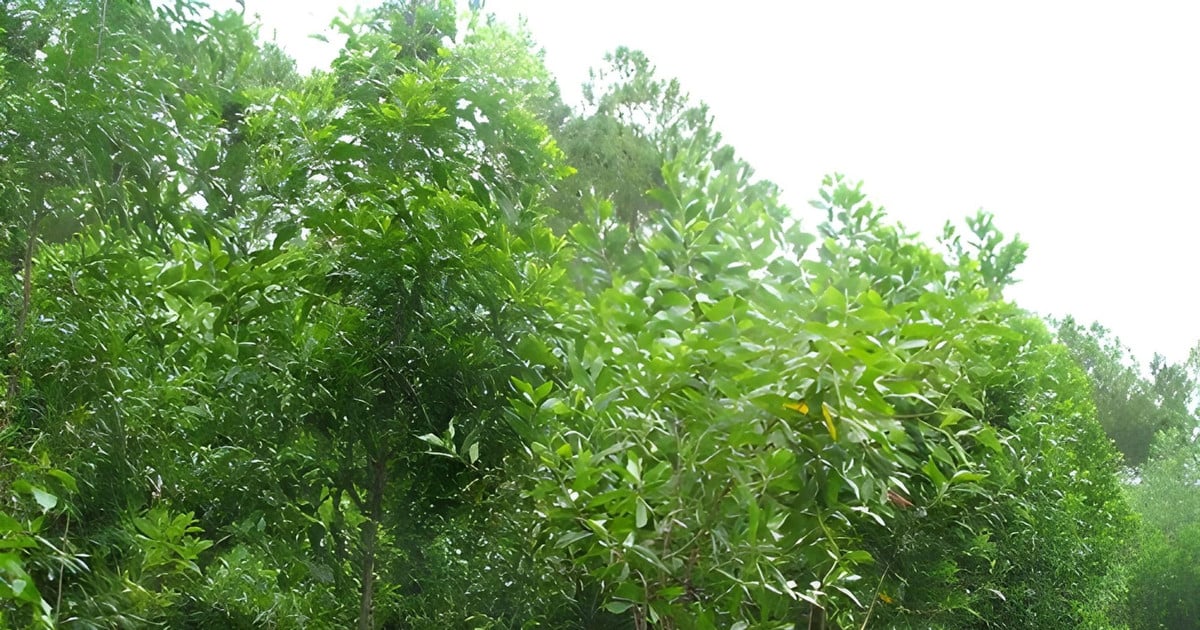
<point>987,437</point>
<point>618,607</point>
<point>912,344</point>
<point>634,466</point>
<point>66,479</point>
<point>831,298</point>
<point>963,476</point>
<point>285,233</point>
<point>9,524</point>
<point>44,499</point>
<point>858,556</point>
<point>432,439</point>
<point>720,310</point>
<point>523,387</point>
<point>19,541</point>
<point>569,538</point>
<point>935,474</point>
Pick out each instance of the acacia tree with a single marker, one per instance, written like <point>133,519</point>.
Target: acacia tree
<point>418,189</point>
<point>186,361</point>
<point>740,432</point>
<point>105,114</point>
<point>114,117</point>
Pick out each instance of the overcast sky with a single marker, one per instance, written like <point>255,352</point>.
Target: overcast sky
<point>1076,124</point>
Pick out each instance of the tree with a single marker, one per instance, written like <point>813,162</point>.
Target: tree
<point>740,428</point>
<point>1164,581</point>
<point>631,124</point>
<point>1132,409</point>
<point>305,352</point>
<point>182,360</point>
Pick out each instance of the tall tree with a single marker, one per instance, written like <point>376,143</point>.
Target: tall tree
<point>631,123</point>
<point>742,427</point>
<point>1132,408</point>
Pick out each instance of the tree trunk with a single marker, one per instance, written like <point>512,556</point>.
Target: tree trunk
<point>370,530</point>
<point>14,378</point>
<point>816,618</point>
<point>337,528</point>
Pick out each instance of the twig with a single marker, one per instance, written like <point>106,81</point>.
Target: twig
<point>103,24</point>
<point>875,597</point>
<point>62,576</point>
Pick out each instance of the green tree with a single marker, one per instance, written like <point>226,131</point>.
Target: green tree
<point>254,324</point>
<point>631,123</point>
<point>293,351</point>
<point>1133,409</point>
<point>1164,580</point>
<point>743,427</point>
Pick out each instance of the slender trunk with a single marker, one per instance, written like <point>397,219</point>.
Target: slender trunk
<point>14,378</point>
<point>368,575</point>
<point>344,485</point>
<point>370,530</point>
<point>26,283</point>
<point>639,618</point>
<point>337,528</point>
<point>816,618</point>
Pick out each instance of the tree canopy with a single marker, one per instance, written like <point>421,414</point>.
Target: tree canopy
<point>412,343</point>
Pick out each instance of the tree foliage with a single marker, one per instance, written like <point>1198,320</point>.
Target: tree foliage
<point>743,426</point>
<point>410,343</point>
<point>1132,408</point>
<point>1162,588</point>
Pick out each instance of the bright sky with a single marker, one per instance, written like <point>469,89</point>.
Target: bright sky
<point>1076,123</point>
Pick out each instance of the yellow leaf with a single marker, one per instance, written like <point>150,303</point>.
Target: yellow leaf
<point>801,406</point>
<point>885,598</point>
<point>829,421</point>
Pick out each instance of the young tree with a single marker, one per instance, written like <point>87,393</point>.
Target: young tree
<point>747,433</point>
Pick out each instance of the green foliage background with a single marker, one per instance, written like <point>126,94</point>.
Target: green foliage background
<point>411,343</point>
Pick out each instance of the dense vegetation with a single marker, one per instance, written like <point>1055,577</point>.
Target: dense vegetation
<point>410,343</point>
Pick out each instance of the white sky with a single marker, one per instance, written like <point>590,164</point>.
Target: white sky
<point>1077,124</point>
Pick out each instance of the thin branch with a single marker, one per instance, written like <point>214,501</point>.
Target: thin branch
<point>875,597</point>
<point>62,576</point>
<point>103,25</point>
